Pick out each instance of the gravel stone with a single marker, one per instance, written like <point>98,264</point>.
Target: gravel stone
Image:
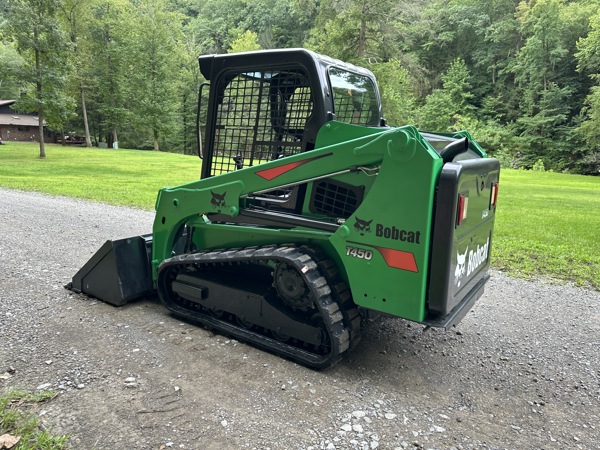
<point>521,371</point>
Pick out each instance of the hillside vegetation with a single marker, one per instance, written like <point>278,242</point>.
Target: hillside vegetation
<point>522,76</point>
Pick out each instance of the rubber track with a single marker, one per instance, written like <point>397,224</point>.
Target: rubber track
<point>340,292</point>
<point>340,325</point>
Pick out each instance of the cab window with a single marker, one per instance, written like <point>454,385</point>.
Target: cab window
<point>354,97</point>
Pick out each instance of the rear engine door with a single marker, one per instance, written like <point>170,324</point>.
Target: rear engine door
<point>462,236</point>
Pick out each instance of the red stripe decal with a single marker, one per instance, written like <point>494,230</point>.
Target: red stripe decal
<point>269,174</point>
<point>399,259</point>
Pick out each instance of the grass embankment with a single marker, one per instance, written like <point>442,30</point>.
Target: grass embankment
<point>118,177</point>
<point>21,428</point>
<point>547,224</point>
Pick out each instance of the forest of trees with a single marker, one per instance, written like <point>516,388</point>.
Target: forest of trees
<point>522,77</point>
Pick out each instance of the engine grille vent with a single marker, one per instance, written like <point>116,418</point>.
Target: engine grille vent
<point>335,199</point>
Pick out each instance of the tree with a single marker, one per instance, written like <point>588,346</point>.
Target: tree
<point>444,107</point>
<point>33,25</point>
<point>588,48</point>
<point>10,64</point>
<point>111,41</point>
<point>589,131</point>
<point>277,23</point>
<point>158,49</point>
<point>353,30</point>
<point>76,13</point>
<point>369,33</point>
<point>185,136</point>
<point>502,39</point>
<point>280,23</point>
<point>244,42</point>
<point>588,57</point>
<point>215,20</point>
<point>397,97</point>
<point>549,86</point>
<point>540,58</point>
<point>437,113</point>
<point>544,133</point>
<point>455,29</point>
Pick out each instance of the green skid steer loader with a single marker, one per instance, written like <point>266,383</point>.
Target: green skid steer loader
<point>311,214</point>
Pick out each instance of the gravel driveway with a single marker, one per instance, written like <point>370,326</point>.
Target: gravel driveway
<point>522,370</point>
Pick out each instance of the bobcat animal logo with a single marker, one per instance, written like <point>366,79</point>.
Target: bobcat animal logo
<point>362,226</point>
<point>460,266</point>
<point>218,200</point>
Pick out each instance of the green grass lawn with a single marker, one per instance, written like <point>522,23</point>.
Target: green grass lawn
<point>548,224</point>
<point>119,177</point>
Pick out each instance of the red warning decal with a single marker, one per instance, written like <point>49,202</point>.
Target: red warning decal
<point>399,259</point>
<point>274,172</point>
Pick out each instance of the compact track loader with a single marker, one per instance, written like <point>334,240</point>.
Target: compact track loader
<point>311,214</point>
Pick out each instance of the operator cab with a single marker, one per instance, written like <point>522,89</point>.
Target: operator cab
<point>271,104</point>
<point>254,116</point>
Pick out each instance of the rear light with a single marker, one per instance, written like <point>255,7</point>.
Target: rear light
<point>494,195</point>
<point>463,204</point>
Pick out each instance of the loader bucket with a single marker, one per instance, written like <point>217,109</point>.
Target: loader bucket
<point>118,272</point>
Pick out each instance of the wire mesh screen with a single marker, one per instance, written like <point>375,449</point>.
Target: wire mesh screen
<point>261,116</point>
<point>335,199</point>
<point>350,110</point>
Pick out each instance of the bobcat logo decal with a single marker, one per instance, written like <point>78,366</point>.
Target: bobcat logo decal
<point>460,266</point>
<point>218,200</point>
<point>362,226</point>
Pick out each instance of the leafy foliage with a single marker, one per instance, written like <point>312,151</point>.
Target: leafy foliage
<point>523,76</point>
<point>157,34</point>
<point>444,107</point>
<point>41,42</point>
<point>397,97</point>
<point>10,64</point>
<point>245,42</point>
